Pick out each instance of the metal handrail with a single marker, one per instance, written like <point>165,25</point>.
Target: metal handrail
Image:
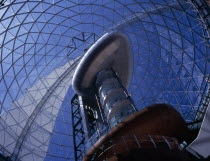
<point>155,140</point>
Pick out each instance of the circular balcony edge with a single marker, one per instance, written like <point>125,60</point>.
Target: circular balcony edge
<point>172,125</point>
<point>140,144</point>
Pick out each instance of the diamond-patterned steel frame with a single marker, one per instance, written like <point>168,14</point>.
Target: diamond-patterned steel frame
<point>41,39</point>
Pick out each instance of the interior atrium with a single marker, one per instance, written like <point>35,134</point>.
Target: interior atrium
<point>43,41</point>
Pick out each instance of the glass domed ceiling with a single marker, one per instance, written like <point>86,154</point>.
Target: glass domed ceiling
<point>42,41</point>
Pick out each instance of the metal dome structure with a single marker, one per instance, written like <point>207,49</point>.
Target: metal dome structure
<point>42,41</point>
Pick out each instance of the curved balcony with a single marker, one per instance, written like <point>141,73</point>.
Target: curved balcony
<point>138,145</point>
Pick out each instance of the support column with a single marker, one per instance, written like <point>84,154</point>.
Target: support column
<point>115,101</point>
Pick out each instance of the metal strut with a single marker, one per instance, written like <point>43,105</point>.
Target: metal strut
<point>2,2</point>
<point>77,128</point>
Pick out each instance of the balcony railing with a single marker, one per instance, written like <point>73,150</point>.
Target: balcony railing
<point>131,142</point>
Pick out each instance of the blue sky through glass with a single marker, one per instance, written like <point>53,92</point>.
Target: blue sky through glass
<point>169,43</point>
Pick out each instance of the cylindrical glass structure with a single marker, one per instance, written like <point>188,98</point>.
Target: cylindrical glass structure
<point>113,97</point>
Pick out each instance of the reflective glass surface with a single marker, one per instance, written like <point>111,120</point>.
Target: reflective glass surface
<point>42,42</point>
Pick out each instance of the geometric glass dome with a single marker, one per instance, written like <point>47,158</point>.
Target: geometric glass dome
<point>42,41</point>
